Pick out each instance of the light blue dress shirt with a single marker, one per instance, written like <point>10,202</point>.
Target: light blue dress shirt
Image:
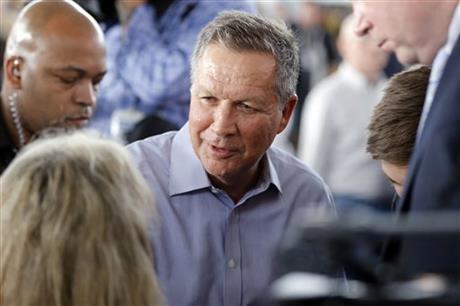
<point>209,251</point>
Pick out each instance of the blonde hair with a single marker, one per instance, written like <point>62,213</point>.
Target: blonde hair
<point>73,227</point>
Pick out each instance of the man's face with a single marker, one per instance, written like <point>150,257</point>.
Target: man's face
<point>395,174</point>
<point>59,80</point>
<point>234,112</point>
<point>399,26</point>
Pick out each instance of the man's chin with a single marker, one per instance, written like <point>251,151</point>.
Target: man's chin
<point>407,56</point>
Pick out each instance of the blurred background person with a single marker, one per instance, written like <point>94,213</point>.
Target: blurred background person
<point>73,227</point>
<point>318,54</point>
<point>333,125</point>
<point>316,25</point>
<point>394,122</point>
<point>149,53</point>
<point>54,61</point>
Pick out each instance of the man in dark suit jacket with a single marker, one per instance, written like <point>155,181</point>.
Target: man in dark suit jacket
<point>427,33</point>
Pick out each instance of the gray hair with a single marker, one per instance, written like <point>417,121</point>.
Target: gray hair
<point>242,31</point>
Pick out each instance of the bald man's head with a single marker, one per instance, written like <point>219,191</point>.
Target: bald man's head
<point>54,60</point>
<point>41,19</point>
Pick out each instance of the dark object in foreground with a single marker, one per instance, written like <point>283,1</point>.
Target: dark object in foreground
<point>351,243</point>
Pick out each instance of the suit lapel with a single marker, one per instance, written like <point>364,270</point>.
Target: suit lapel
<point>442,95</point>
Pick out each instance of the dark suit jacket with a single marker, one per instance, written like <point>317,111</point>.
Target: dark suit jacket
<point>433,182</point>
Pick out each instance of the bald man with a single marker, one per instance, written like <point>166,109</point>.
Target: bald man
<point>54,62</point>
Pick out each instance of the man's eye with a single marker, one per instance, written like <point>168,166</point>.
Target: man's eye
<point>246,108</point>
<point>207,99</point>
<point>68,80</point>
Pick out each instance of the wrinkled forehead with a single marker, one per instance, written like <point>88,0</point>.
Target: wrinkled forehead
<point>234,65</point>
<point>237,75</point>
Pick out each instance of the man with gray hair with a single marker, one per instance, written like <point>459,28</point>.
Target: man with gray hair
<point>224,196</point>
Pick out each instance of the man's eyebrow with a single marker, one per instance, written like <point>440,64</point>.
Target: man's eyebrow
<point>71,69</point>
<point>81,72</point>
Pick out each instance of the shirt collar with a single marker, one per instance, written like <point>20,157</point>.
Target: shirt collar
<point>187,173</point>
<point>444,52</point>
<point>454,28</point>
<point>437,70</point>
<point>270,174</point>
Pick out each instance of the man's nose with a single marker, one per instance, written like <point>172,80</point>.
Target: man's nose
<point>224,120</point>
<point>86,94</point>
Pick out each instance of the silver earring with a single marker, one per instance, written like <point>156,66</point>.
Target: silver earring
<point>13,101</point>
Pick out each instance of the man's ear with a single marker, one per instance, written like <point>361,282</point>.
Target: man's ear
<point>288,109</point>
<point>13,68</point>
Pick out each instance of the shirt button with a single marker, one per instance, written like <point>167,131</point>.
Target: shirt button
<point>231,263</point>
<point>214,190</point>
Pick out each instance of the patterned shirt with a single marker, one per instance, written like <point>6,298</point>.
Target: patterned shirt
<point>148,67</point>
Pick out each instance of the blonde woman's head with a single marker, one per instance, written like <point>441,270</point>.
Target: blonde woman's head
<point>73,226</point>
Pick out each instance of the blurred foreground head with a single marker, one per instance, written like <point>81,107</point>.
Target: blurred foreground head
<point>73,226</point>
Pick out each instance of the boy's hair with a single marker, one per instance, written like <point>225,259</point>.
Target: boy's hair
<point>393,125</point>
